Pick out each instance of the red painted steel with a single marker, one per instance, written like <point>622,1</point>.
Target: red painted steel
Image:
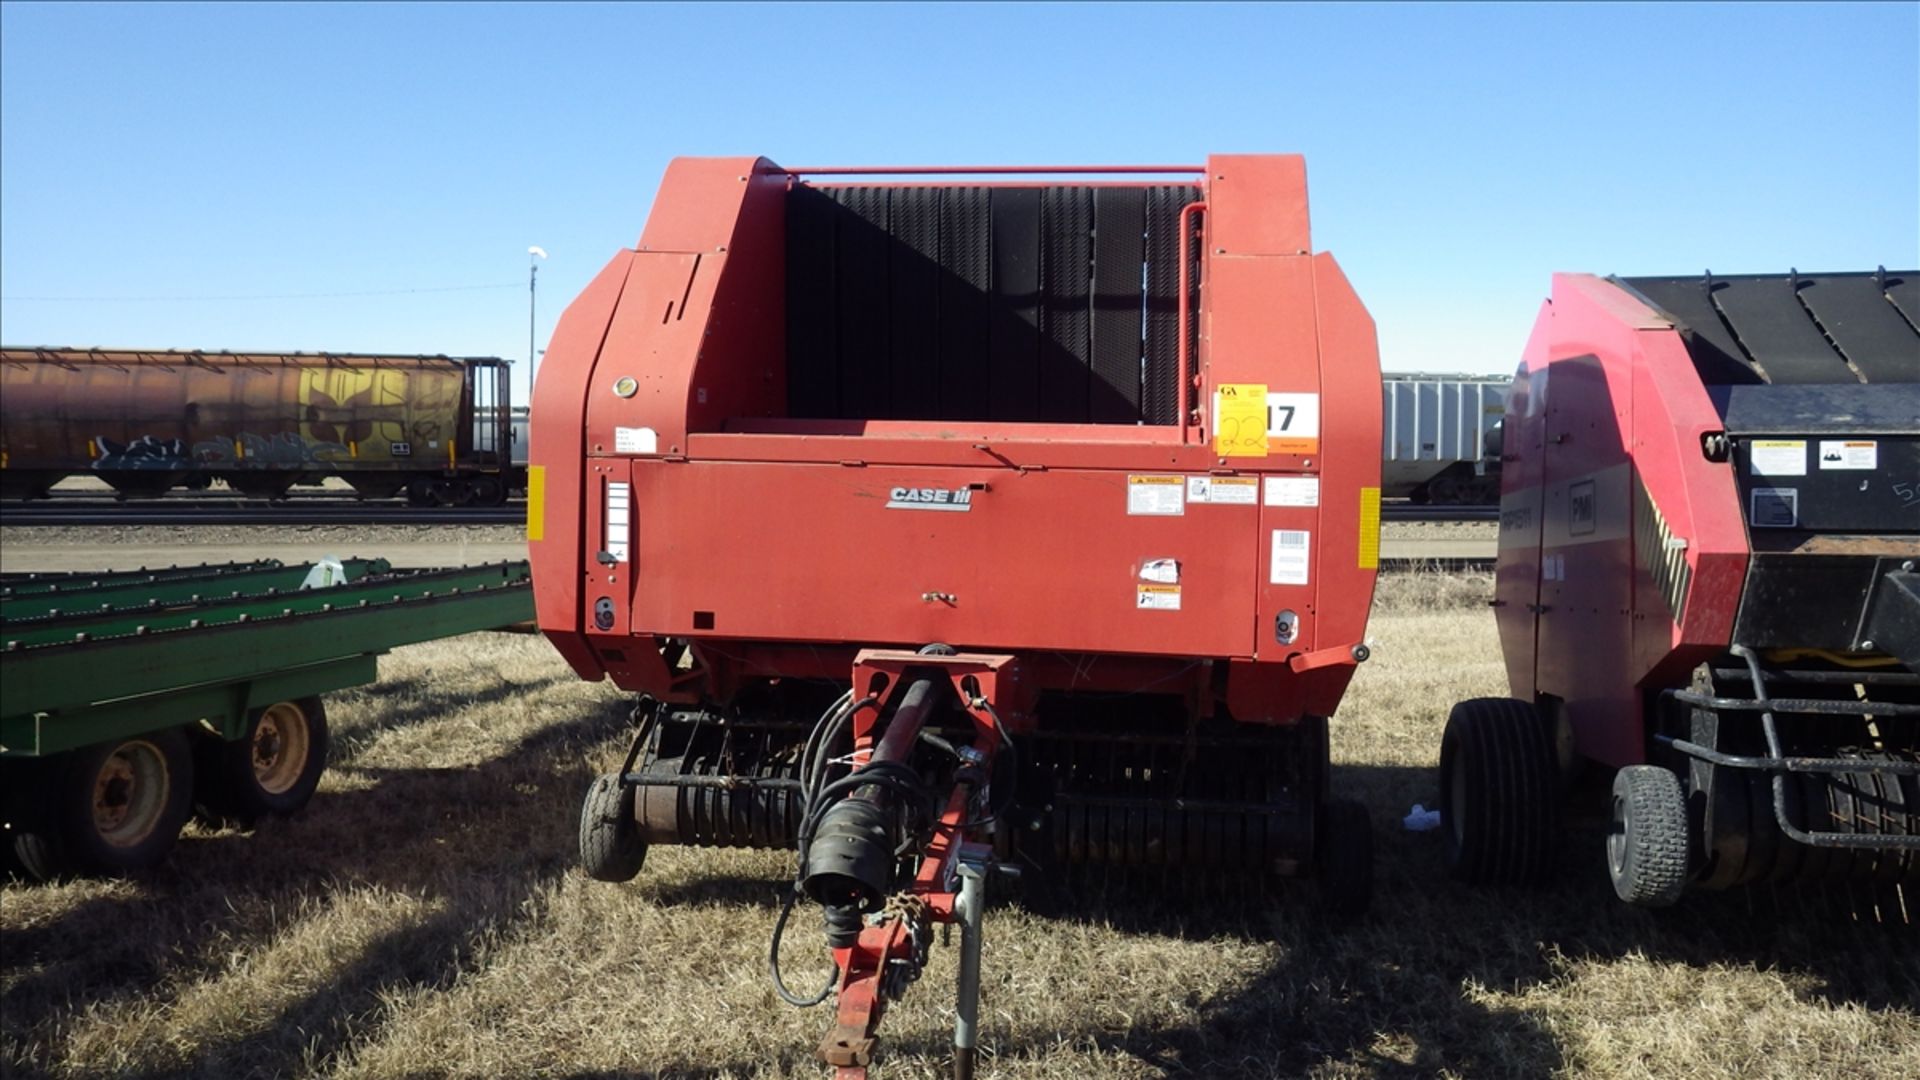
<point>1606,399</point>
<point>761,537</point>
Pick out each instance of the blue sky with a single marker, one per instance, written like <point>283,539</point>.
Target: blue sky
<point>1457,155</point>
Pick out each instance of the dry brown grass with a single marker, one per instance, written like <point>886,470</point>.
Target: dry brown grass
<point>424,918</point>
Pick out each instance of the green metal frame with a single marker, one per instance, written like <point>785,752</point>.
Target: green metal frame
<point>223,660</point>
<point>94,597</point>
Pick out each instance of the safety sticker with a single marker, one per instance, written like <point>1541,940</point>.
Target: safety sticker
<point>1293,423</point>
<point>1293,491</point>
<point>619,517</point>
<point>1290,562</point>
<point>1156,496</point>
<point>1158,598</point>
<point>1369,528</point>
<point>1778,457</point>
<point>1224,490</point>
<point>1849,454</point>
<point>1240,420</point>
<point>536,502</point>
<point>1162,571</point>
<point>1775,508</point>
<point>635,440</point>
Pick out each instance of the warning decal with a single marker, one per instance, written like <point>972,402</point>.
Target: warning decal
<point>1777,457</point>
<point>1223,490</point>
<point>1849,454</point>
<point>1157,598</point>
<point>1156,496</point>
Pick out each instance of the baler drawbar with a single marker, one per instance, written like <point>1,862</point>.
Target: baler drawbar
<point>961,521</point>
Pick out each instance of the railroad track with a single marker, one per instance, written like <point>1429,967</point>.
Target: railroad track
<point>206,510</point>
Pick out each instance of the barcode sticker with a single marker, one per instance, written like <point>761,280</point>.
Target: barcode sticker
<point>619,517</point>
<point>1291,557</point>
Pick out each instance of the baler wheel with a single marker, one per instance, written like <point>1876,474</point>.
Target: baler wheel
<point>1499,803</point>
<point>1346,859</point>
<point>1647,840</point>
<point>610,844</point>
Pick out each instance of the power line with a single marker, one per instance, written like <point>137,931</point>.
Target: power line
<point>256,296</point>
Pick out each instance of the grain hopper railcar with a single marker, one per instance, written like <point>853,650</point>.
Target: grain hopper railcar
<point>435,428</point>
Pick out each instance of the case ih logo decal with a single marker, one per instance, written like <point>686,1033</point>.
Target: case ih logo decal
<point>906,498</point>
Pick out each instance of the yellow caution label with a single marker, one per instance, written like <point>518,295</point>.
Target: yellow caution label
<point>537,501</point>
<point>1240,420</point>
<point>1369,528</point>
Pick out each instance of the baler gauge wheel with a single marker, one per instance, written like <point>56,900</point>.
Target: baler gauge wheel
<point>1647,849</point>
<point>1499,804</point>
<point>610,844</point>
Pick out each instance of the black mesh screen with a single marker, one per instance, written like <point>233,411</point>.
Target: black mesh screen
<point>1055,304</point>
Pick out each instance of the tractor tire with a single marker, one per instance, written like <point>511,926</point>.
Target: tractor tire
<point>1647,850</point>
<point>112,808</point>
<point>1499,794</point>
<point>1346,860</point>
<point>610,844</point>
<point>272,769</point>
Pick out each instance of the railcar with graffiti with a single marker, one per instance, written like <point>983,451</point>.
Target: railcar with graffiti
<point>437,429</point>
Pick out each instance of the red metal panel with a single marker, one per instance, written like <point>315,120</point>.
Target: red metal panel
<point>1041,560</point>
<point>559,399</point>
<point>1258,204</point>
<point>1609,401</point>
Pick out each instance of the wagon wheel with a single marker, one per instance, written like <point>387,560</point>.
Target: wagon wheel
<point>273,768</point>
<point>111,808</point>
<point>1499,798</point>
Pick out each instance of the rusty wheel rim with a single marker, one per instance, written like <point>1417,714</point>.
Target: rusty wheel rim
<point>130,793</point>
<point>280,748</point>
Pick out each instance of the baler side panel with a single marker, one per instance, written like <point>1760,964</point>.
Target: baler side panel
<point>1523,452</point>
<point>557,449</point>
<point>1348,558</point>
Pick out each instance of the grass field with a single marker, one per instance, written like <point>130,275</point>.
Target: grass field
<point>423,918</point>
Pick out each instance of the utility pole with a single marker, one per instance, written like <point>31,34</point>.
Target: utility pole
<point>534,255</point>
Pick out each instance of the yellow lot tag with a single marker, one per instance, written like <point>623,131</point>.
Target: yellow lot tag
<point>1240,420</point>
<point>536,501</point>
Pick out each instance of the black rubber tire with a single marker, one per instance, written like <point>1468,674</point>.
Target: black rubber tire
<point>610,844</point>
<point>1499,794</point>
<point>1647,844</point>
<point>1346,860</point>
<point>238,780</point>
<point>72,838</point>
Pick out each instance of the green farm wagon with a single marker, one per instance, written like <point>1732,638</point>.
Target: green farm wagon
<point>130,701</point>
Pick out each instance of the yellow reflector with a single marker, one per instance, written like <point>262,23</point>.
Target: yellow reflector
<point>1369,528</point>
<point>537,501</point>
